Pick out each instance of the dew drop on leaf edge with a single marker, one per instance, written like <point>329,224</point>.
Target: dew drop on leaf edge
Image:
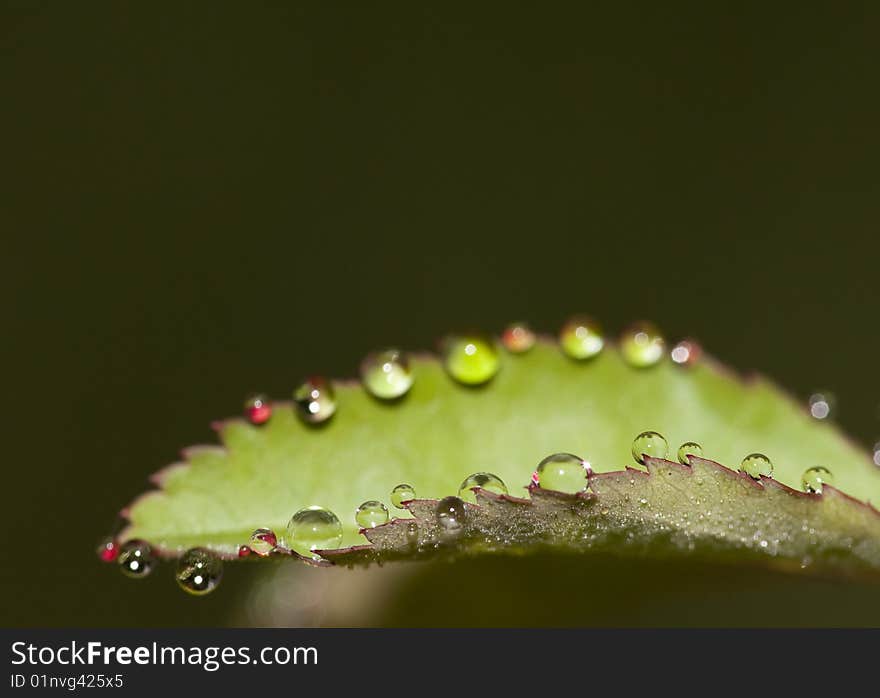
<point>581,338</point>
<point>263,541</point>
<point>315,400</point>
<point>487,481</point>
<point>649,443</point>
<point>198,572</point>
<point>470,359</point>
<point>815,478</point>
<point>563,472</point>
<point>136,559</point>
<point>402,493</point>
<point>757,464</point>
<point>107,550</point>
<point>258,409</point>
<point>387,374</point>
<point>689,448</point>
<point>451,516</point>
<point>313,528</point>
<point>642,345</point>
<point>371,513</point>
<point>518,338</point>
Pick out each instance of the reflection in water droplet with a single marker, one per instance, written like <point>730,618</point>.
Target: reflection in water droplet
<point>518,338</point>
<point>313,528</point>
<point>689,448</point>
<point>451,516</point>
<point>642,345</point>
<point>649,443</point>
<point>263,541</point>
<point>581,337</point>
<point>258,409</point>
<point>487,481</point>
<point>821,405</point>
<point>563,472</point>
<point>244,551</point>
<point>199,572</point>
<point>315,400</point>
<point>136,559</point>
<point>108,550</point>
<point>371,514</point>
<point>755,465</point>
<point>686,353</point>
<point>814,479</point>
<point>470,359</point>
<point>387,374</point>
<point>402,493</point>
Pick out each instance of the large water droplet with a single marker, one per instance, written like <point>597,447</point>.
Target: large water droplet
<point>755,465</point>
<point>387,374</point>
<point>315,400</point>
<point>136,559</point>
<point>470,359</point>
<point>313,528</point>
<point>108,550</point>
<point>581,337</point>
<point>402,493</point>
<point>689,448</point>
<point>263,541</point>
<point>686,353</point>
<point>642,345</point>
<point>199,572</point>
<point>563,472</point>
<point>821,405</point>
<point>518,338</point>
<point>371,514</point>
<point>258,409</point>
<point>649,443</point>
<point>451,516</point>
<point>814,479</point>
<point>487,481</point>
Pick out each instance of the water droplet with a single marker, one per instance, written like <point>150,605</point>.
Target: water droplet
<point>108,550</point>
<point>642,345</point>
<point>470,359</point>
<point>821,405</point>
<point>263,541</point>
<point>563,472</point>
<point>199,572</point>
<point>689,448</point>
<point>244,551</point>
<point>371,514</point>
<point>649,443</point>
<point>412,533</point>
<point>258,409</point>
<point>581,337</point>
<point>755,465</point>
<point>451,516</point>
<point>518,338</point>
<point>814,479</point>
<point>313,528</point>
<point>402,493</point>
<point>487,481</point>
<point>686,353</point>
<point>387,374</point>
<point>136,559</point>
<point>315,400</point>
<point>876,450</point>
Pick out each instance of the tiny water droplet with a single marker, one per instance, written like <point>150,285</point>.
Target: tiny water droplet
<point>876,450</point>
<point>199,572</point>
<point>412,533</point>
<point>451,516</point>
<point>402,493</point>
<point>387,374</point>
<point>371,514</point>
<point>258,409</point>
<point>313,528</point>
<point>487,481</point>
<point>686,353</point>
<point>755,465</point>
<point>518,338</point>
<point>136,559</point>
<point>642,345</point>
<point>563,472</point>
<point>315,400</point>
<point>108,550</point>
<point>814,479</point>
<point>649,443</point>
<point>581,337</point>
<point>470,359</point>
<point>821,405</point>
<point>263,541</point>
<point>689,448</point>
<point>244,551</point>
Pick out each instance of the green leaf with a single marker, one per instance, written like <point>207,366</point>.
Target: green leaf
<point>540,402</point>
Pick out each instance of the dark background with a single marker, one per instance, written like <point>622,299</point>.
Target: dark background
<point>203,199</point>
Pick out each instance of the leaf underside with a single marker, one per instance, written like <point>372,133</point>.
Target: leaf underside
<point>541,402</point>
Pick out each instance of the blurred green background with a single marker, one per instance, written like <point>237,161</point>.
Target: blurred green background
<point>206,199</point>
